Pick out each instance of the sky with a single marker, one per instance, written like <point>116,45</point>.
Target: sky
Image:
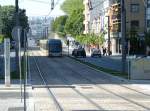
<point>36,8</point>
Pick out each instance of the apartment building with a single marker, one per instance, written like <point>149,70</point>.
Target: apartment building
<point>100,10</point>
<point>148,14</point>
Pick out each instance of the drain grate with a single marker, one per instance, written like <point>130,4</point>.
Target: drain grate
<point>87,87</point>
<point>16,109</point>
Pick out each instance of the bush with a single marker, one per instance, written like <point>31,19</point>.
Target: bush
<point>1,38</point>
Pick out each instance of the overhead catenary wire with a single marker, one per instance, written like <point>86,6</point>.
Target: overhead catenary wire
<point>40,1</point>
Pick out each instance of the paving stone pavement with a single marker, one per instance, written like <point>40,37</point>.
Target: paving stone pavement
<point>10,99</point>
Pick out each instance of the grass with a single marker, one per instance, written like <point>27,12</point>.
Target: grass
<point>109,71</point>
<point>1,38</point>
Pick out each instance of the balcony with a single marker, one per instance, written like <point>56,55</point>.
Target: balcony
<point>115,34</point>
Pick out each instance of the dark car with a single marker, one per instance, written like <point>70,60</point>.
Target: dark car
<point>12,44</point>
<point>96,52</point>
<point>79,52</point>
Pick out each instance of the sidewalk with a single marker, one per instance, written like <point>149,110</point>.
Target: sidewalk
<point>10,99</point>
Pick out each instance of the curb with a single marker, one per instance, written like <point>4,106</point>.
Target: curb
<point>108,74</point>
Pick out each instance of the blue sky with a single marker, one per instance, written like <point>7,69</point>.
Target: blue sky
<point>35,8</point>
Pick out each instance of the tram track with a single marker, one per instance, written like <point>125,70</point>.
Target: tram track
<point>107,90</point>
<point>41,74</point>
<point>91,81</point>
<point>66,82</point>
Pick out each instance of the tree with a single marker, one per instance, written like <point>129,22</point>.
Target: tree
<point>8,20</point>
<point>1,38</point>
<point>92,39</point>
<point>70,5</point>
<point>74,24</point>
<point>58,25</point>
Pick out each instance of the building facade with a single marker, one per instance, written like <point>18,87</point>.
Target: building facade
<point>104,12</point>
<point>148,14</point>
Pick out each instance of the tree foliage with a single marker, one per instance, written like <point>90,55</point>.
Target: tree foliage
<point>58,25</point>
<point>74,24</point>
<point>74,10</point>
<point>91,39</point>
<point>7,20</point>
<point>70,5</point>
<point>1,38</point>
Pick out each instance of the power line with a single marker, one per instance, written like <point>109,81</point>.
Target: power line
<point>40,1</point>
<point>54,8</point>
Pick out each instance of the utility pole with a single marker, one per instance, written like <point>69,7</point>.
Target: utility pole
<point>25,66</point>
<point>17,46</point>
<point>123,33</point>
<point>17,12</point>
<point>17,24</point>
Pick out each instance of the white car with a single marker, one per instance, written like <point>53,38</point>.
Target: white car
<point>96,52</point>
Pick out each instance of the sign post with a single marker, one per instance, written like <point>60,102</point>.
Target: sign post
<point>7,61</point>
<point>16,34</point>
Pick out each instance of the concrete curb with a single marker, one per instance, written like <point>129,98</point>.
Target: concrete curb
<point>108,74</point>
<point>142,84</point>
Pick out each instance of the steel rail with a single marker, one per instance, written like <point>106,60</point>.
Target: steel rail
<point>58,106</point>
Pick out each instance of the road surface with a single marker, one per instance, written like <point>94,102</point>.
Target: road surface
<point>72,86</point>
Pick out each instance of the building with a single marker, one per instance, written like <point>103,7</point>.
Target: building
<point>100,13</point>
<point>148,14</point>
<point>40,27</point>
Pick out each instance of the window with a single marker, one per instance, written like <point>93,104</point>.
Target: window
<point>90,5</point>
<point>135,24</point>
<point>135,8</point>
<point>148,3</point>
<point>148,23</point>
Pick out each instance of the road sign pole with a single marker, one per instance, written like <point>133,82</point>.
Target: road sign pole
<point>25,67</point>
<point>7,61</point>
<point>20,69</point>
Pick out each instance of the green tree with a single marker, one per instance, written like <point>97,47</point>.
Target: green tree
<point>91,39</point>
<point>70,5</point>
<point>8,20</point>
<point>58,25</point>
<point>1,38</point>
<point>74,24</point>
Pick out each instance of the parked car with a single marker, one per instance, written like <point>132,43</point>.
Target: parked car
<point>96,52</point>
<point>79,52</point>
<point>12,44</point>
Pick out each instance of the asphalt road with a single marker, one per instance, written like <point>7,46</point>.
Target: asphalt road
<point>93,91</point>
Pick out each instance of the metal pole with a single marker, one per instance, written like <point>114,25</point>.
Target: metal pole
<point>17,47</point>
<point>17,24</point>
<point>17,12</point>
<point>25,70</point>
<point>123,33</point>
<point>108,35</point>
<point>19,53</point>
